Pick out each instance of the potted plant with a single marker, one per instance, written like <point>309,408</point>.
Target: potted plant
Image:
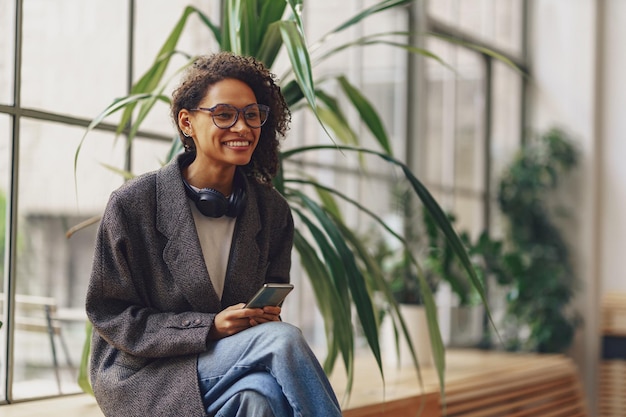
<point>437,264</point>
<point>535,268</point>
<point>345,275</point>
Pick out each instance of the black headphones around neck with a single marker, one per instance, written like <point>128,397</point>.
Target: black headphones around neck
<point>212,203</point>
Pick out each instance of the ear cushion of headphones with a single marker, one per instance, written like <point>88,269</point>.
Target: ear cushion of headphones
<point>212,203</point>
<point>237,201</point>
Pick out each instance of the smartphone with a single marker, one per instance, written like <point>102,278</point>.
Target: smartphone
<point>270,294</point>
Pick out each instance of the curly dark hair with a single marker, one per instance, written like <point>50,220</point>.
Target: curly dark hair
<point>206,71</point>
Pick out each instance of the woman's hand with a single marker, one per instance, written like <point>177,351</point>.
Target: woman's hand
<point>235,318</point>
<point>269,313</point>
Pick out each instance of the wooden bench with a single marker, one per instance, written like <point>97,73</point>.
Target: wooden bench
<point>479,384</point>
<point>522,387</point>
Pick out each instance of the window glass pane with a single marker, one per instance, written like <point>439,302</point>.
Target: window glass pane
<point>468,210</point>
<point>506,117</point>
<point>152,30</point>
<point>496,22</point>
<point>430,163</point>
<point>7,48</point>
<point>507,18</point>
<point>5,135</point>
<point>469,155</point>
<point>74,55</point>
<point>52,270</point>
<point>438,86</point>
<point>149,154</point>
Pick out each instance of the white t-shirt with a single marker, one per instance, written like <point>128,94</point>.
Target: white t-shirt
<point>216,235</point>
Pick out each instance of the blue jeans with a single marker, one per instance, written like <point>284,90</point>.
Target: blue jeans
<point>273,360</point>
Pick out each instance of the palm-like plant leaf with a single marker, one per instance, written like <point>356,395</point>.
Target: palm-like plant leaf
<point>337,313</point>
<point>367,113</point>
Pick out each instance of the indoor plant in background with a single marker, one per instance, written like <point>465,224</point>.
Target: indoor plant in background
<point>343,274</point>
<point>534,264</point>
<point>460,316</point>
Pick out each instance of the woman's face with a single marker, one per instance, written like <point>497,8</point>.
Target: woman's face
<point>222,147</point>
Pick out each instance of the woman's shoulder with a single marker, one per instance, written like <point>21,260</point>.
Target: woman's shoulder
<point>146,184</point>
<point>137,186</point>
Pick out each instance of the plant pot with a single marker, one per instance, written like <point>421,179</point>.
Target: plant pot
<point>415,319</point>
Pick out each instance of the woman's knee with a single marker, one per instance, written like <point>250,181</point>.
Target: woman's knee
<point>245,403</point>
<point>284,333</point>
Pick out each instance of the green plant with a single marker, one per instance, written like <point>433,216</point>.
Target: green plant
<point>343,273</point>
<point>535,265</point>
<point>435,254</point>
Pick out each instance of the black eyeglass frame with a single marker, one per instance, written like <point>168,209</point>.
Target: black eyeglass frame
<point>261,107</point>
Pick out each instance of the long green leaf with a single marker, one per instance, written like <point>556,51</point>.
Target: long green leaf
<point>365,13</point>
<point>83,370</point>
<point>342,333</point>
<point>152,78</point>
<point>367,113</point>
<point>250,32</point>
<point>117,105</point>
<point>321,282</point>
<point>270,45</point>
<point>232,14</point>
<point>149,103</point>
<point>268,35</point>
<point>436,344</point>
<point>482,50</point>
<point>301,64</point>
<point>358,290</point>
<point>299,57</point>
<point>379,284</point>
<point>353,202</point>
<point>337,325</point>
<point>343,132</point>
<point>377,39</point>
<point>335,119</point>
<point>329,203</point>
<point>296,10</point>
<point>293,93</point>
<point>217,34</point>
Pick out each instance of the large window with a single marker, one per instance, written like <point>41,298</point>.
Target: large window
<point>472,115</point>
<point>61,63</point>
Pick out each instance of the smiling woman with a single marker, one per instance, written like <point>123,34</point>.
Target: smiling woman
<point>170,278</point>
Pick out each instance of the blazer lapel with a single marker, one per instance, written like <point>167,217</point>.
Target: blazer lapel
<point>243,275</point>
<point>182,253</point>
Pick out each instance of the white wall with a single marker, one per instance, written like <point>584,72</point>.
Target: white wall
<point>578,61</point>
<point>613,166</point>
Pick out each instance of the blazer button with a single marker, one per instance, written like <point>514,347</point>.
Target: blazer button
<point>186,323</point>
<point>197,321</point>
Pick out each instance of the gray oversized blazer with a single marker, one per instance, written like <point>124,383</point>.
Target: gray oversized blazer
<point>150,297</point>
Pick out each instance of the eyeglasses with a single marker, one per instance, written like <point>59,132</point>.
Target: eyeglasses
<point>225,115</point>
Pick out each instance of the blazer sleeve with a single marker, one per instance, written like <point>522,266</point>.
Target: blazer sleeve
<point>120,298</point>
